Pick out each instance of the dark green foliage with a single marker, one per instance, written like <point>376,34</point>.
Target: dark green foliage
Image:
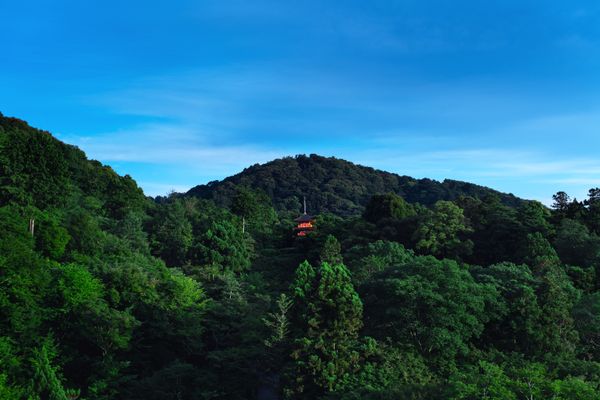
<point>557,297</point>
<point>330,314</point>
<point>33,166</point>
<point>576,245</point>
<point>515,314</point>
<point>529,381</point>
<point>587,321</point>
<point>434,306</point>
<point>333,185</point>
<point>331,252</point>
<point>366,260</point>
<point>225,247</point>
<point>38,170</point>
<point>84,279</point>
<point>116,296</point>
<point>254,207</point>
<point>51,238</point>
<point>535,218</point>
<point>442,232</point>
<point>497,232</point>
<point>279,321</point>
<point>84,228</point>
<point>387,206</point>
<point>234,360</point>
<point>130,229</point>
<point>593,210</point>
<point>47,377</point>
<point>172,234</point>
<point>538,252</point>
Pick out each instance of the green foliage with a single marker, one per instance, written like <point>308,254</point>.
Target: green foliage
<point>434,306</point>
<point>257,214</point>
<point>8,392</point>
<point>51,238</point>
<point>278,321</point>
<point>440,232</point>
<point>245,203</point>
<point>366,260</point>
<point>325,355</point>
<point>387,206</point>
<point>186,291</point>
<point>331,252</point>
<point>234,353</point>
<point>225,247</point>
<point>24,277</point>
<point>172,234</point>
<point>539,253</point>
<point>85,231</point>
<point>587,321</point>
<point>118,296</point>
<point>574,388</point>
<point>178,380</point>
<point>334,185</point>
<point>130,229</point>
<point>77,286</point>
<point>497,232</point>
<point>387,367</point>
<point>529,381</point>
<point>488,381</point>
<point>576,245</point>
<point>303,287</point>
<point>38,170</point>
<point>535,217</point>
<point>47,377</point>
<point>33,166</point>
<point>557,297</point>
<point>10,365</point>
<point>516,314</point>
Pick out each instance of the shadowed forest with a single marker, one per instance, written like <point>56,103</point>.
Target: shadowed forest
<point>405,289</point>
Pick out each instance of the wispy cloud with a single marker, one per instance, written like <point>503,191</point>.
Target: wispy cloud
<point>169,144</point>
<point>222,121</point>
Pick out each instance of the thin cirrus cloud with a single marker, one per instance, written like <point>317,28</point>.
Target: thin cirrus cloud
<point>168,144</point>
<point>503,94</point>
<point>255,101</point>
<point>208,125</point>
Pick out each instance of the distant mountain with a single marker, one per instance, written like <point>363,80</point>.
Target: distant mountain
<point>337,186</point>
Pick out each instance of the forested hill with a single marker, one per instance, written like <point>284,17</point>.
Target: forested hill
<point>336,186</point>
<point>40,171</point>
<point>107,294</point>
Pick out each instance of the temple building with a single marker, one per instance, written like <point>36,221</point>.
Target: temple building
<point>304,223</point>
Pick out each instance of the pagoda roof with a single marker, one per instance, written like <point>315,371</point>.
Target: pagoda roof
<point>304,218</point>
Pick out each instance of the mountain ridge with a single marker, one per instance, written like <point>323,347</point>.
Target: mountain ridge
<point>334,185</point>
<point>330,184</point>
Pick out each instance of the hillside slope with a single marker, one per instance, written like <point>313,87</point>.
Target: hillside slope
<point>111,295</point>
<point>38,170</point>
<point>336,186</point>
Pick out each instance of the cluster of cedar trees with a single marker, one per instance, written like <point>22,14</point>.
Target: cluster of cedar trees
<point>118,296</point>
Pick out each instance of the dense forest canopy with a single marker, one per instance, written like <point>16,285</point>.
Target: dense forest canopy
<point>407,289</point>
<point>336,186</point>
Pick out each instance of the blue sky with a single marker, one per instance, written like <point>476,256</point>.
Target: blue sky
<point>504,94</point>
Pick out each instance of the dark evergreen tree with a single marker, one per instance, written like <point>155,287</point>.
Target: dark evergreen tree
<point>331,252</point>
<point>326,353</point>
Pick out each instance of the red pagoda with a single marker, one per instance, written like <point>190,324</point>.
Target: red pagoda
<point>305,223</point>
